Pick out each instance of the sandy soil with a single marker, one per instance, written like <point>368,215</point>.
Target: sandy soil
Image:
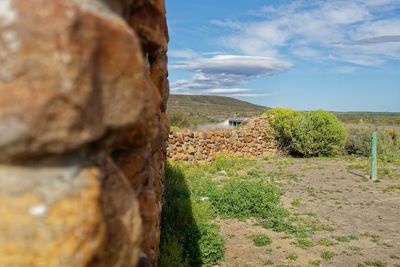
<point>336,193</point>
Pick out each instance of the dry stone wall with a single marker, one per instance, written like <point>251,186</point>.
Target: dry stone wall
<point>251,140</point>
<point>83,130</point>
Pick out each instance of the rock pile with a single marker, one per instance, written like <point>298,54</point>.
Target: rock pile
<point>251,140</point>
<point>83,130</point>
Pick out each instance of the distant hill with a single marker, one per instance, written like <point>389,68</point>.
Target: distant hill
<point>206,105</point>
<point>187,111</point>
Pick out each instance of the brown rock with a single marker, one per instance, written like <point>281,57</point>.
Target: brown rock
<point>50,215</point>
<point>60,81</point>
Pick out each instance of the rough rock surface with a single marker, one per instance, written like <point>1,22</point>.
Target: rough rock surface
<point>83,130</point>
<point>252,140</point>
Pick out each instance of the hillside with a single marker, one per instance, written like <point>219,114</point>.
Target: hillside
<point>191,110</point>
<point>212,105</point>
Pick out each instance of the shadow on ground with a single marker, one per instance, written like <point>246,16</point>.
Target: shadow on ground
<point>180,235</point>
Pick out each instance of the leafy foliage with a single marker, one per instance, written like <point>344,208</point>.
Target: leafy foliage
<point>307,134</point>
<point>359,144</point>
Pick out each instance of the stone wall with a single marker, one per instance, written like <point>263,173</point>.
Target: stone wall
<point>251,140</point>
<point>83,93</point>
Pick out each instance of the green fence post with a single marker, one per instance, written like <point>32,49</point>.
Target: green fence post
<point>374,163</point>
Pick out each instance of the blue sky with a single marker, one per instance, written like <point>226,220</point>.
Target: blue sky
<point>334,55</point>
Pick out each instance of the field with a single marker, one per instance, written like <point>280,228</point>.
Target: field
<point>320,212</point>
<point>187,111</point>
<point>374,118</point>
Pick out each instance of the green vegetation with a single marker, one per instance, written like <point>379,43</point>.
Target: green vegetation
<point>292,257</point>
<point>261,240</point>
<point>193,240</point>
<point>327,255</point>
<point>359,144</point>
<point>316,262</point>
<point>376,263</point>
<point>304,243</point>
<point>346,238</point>
<point>307,134</point>
<point>391,188</point>
<point>375,118</point>
<point>267,262</point>
<point>296,202</point>
<point>196,199</point>
<point>326,242</point>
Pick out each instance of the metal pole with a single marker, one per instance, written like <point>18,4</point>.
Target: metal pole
<point>374,162</point>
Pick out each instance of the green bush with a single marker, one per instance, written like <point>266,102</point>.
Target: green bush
<point>359,144</point>
<point>307,134</point>
<point>242,198</point>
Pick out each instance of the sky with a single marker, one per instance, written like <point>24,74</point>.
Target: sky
<point>334,55</point>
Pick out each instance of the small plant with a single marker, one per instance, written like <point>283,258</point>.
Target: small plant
<point>292,257</point>
<point>355,248</point>
<point>304,243</point>
<point>296,202</point>
<point>267,262</point>
<point>375,263</point>
<point>261,240</point>
<point>312,192</point>
<point>326,242</point>
<point>346,238</point>
<point>327,255</point>
<point>391,188</point>
<point>316,262</point>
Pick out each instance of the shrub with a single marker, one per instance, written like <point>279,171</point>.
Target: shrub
<point>307,134</point>
<point>359,144</point>
<point>180,119</point>
<point>242,198</point>
<point>261,240</point>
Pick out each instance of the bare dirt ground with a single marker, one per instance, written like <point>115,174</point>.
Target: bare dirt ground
<point>360,218</point>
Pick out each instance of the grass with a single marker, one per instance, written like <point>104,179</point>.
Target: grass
<point>355,248</point>
<point>312,192</point>
<point>193,240</point>
<point>316,263</point>
<point>267,262</point>
<point>193,196</point>
<point>292,257</point>
<point>391,188</point>
<point>261,240</point>
<point>304,243</point>
<point>296,202</point>
<point>326,242</point>
<point>327,255</point>
<point>375,263</point>
<point>346,238</point>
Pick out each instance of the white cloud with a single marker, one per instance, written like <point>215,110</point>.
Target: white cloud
<point>248,66</point>
<point>315,29</point>
<point>221,74</point>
